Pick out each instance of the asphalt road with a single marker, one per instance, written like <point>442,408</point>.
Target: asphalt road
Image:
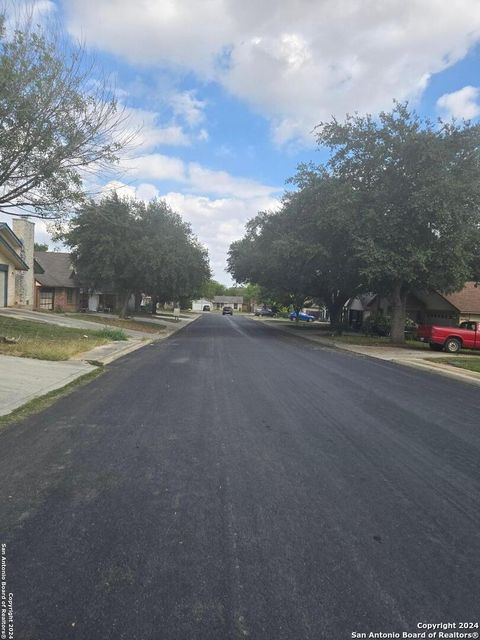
<point>233,482</point>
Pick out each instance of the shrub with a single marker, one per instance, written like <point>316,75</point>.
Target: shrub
<point>377,325</point>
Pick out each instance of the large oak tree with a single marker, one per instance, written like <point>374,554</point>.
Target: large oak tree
<point>416,187</point>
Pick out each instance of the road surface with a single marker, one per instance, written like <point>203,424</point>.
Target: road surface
<point>233,482</point>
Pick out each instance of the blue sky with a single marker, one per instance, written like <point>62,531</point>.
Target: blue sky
<point>226,92</point>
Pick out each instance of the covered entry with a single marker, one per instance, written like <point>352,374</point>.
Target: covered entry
<point>3,285</point>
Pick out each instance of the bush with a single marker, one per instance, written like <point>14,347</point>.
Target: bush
<point>377,325</point>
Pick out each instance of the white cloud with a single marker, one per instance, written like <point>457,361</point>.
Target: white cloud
<point>188,107</point>
<point>143,191</point>
<point>156,166</point>
<point>222,183</point>
<point>460,104</point>
<point>147,133</point>
<point>218,221</point>
<point>297,61</point>
<point>194,177</point>
<point>203,135</point>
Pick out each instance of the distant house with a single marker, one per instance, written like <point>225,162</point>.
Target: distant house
<point>466,302</point>
<point>236,302</point>
<point>56,284</point>
<point>423,307</point>
<point>198,305</point>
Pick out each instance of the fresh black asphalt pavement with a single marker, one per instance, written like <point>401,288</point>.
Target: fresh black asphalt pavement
<point>234,482</point>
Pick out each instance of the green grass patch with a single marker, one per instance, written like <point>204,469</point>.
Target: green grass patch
<point>121,323</point>
<point>471,364</point>
<point>379,341</point>
<point>324,331</point>
<point>45,341</point>
<point>39,404</point>
<point>115,335</point>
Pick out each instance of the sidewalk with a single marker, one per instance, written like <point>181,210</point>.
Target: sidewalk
<point>416,358</point>
<point>24,379</point>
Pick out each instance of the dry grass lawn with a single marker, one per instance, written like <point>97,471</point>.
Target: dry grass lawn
<point>50,342</point>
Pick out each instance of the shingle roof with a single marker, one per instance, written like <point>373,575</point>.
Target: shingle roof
<point>228,299</point>
<point>10,243</point>
<point>58,270</point>
<point>467,300</point>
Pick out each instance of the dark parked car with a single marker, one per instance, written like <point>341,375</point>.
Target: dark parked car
<point>301,316</point>
<point>265,312</point>
<point>227,311</point>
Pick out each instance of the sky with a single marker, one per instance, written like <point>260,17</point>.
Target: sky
<point>223,95</point>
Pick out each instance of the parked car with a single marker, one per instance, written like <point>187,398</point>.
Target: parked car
<point>265,312</point>
<point>450,339</point>
<point>301,316</point>
<point>227,311</point>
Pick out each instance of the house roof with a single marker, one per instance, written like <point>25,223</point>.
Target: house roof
<point>9,244</point>
<point>57,270</point>
<point>467,300</point>
<point>238,299</point>
<point>12,237</point>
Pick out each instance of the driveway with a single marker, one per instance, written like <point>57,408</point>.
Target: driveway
<point>233,482</point>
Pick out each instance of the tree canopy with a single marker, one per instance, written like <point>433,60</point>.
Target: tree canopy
<point>416,187</point>
<point>395,209</point>
<point>55,123</point>
<point>132,247</point>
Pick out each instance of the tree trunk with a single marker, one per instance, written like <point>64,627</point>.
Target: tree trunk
<point>154,305</point>
<point>138,299</point>
<point>335,311</point>
<point>124,305</point>
<point>399,301</point>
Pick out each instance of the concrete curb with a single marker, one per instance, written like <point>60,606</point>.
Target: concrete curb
<point>463,375</point>
<point>107,353</point>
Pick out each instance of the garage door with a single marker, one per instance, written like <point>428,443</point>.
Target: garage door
<point>46,299</point>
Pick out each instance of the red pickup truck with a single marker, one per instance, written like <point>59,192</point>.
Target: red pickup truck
<point>450,339</point>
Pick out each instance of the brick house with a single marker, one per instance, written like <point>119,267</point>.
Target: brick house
<point>56,285</point>
<point>423,307</point>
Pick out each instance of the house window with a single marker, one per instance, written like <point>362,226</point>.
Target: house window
<point>70,296</point>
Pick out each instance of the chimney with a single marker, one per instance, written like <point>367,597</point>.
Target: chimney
<point>25,280</point>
